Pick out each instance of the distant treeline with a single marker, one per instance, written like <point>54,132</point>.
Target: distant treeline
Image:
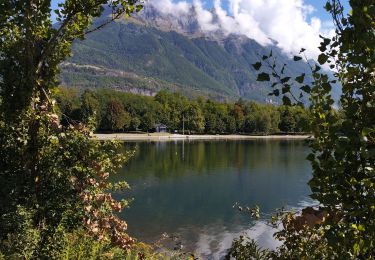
<point>116,111</point>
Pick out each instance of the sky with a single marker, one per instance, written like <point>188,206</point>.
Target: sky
<point>317,4</point>
<point>292,24</point>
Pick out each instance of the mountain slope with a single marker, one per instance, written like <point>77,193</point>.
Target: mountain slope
<point>147,54</point>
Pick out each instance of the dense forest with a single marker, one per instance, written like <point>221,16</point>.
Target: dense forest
<point>116,111</point>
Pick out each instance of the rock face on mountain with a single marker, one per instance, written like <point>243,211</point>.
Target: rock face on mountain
<point>154,51</point>
<point>186,24</point>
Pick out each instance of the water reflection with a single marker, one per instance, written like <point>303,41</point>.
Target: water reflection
<point>189,188</point>
<point>215,247</point>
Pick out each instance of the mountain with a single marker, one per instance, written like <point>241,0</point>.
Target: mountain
<point>154,51</point>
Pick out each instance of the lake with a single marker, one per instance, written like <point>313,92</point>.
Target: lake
<point>187,189</point>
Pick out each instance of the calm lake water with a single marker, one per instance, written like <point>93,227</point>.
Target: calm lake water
<point>187,189</point>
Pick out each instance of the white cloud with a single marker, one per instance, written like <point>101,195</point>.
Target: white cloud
<point>205,17</point>
<point>168,7</point>
<point>289,22</point>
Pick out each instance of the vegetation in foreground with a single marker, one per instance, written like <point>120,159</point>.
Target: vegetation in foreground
<point>56,199</point>
<point>117,111</point>
<point>343,153</point>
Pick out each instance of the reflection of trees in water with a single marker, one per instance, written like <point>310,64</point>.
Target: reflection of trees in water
<point>189,185</point>
<point>213,176</point>
<point>175,159</point>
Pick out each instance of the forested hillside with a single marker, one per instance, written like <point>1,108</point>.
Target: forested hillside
<point>140,57</point>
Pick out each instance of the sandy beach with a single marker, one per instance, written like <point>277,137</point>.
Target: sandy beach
<point>174,137</point>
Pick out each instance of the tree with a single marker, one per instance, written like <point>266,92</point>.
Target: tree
<point>258,118</point>
<point>302,118</point>
<point>238,114</point>
<point>33,47</point>
<point>194,120</point>
<point>173,106</point>
<point>342,151</point>
<point>215,114</point>
<point>69,105</point>
<point>135,123</point>
<point>287,121</point>
<point>343,157</point>
<point>148,121</point>
<point>53,177</point>
<point>250,125</point>
<point>258,122</point>
<point>231,125</point>
<point>90,107</point>
<point>115,117</point>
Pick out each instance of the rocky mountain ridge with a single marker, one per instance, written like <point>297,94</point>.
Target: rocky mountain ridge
<point>154,50</point>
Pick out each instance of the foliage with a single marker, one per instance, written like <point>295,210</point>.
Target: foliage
<point>115,117</point>
<point>33,48</point>
<point>245,249</point>
<point>53,177</point>
<point>75,244</point>
<point>118,111</point>
<point>287,121</point>
<point>343,150</point>
<point>22,243</point>
<point>193,116</point>
<point>66,184</point>
<point>173,107</point>
<point>89,106</point>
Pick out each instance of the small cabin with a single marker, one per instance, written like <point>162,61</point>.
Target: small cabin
<point>160,128</point>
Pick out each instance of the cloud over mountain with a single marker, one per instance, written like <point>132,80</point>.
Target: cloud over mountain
<point>289,24</point>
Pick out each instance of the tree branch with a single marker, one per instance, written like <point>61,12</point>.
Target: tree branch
<point>105,23</point>
<point>53,40</point>
<point>337,15</point>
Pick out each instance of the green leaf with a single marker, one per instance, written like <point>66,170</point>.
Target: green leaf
<point>310,157</point>
<point>285,80</point>
<point>257,65</point>
<point>286,101</point>
<point>317,68</point>
<point>367,131</point>
<point>326,41</point>
<point>306,88</point>
<point>356,248</point>
<point>323,48</point>
<point>361,227</point>
<point>301,78</point>
<point>326,86</point>
<point>263,77</point>
<point>328,6</point>
<point>286,89</point>
<point>322,59</point>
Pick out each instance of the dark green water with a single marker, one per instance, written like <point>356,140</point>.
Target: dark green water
<point>188,189</point>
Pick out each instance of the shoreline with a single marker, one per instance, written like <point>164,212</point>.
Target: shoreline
<point>176,137</point>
